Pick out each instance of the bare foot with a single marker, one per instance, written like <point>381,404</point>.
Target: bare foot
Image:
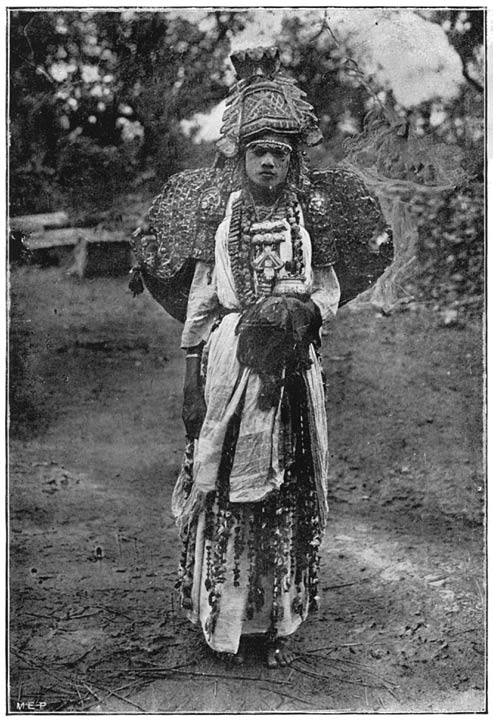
<point>233,658</point>
<point>278,654</point>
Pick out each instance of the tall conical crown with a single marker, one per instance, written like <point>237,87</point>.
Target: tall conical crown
<point>256,62</point>
<point>265,100</point>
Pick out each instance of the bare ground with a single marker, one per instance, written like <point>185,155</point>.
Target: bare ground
<point>95,449</point>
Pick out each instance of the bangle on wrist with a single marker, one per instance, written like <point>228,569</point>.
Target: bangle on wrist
<point>193,355</point>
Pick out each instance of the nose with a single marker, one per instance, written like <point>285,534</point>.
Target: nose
<point>268,160</point>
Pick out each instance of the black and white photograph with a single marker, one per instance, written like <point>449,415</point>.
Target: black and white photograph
<point>246,351</point>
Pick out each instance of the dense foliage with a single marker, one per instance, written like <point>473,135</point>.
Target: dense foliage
<point>451,251</point>
<point>109,84</point>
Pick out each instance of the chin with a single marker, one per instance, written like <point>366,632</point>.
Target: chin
<point>268,183</point>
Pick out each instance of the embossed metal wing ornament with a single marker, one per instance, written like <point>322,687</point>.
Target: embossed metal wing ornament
<point>182,223</point>
<point>348,230</point>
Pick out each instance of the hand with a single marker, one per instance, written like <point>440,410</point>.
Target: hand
<point>194,409</point>
<point>306,320</point>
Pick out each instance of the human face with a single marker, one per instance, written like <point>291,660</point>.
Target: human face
<point>267,164</point>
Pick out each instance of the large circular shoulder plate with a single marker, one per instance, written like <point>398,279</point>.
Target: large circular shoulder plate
<point>344,219</point>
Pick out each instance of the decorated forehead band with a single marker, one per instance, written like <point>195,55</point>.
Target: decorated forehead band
<point>274,144</point>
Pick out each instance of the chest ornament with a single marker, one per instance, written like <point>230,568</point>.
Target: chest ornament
<point>266,262</point>
<point>266,255</point>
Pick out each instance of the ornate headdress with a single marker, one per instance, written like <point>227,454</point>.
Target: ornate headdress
<point>265,100</point>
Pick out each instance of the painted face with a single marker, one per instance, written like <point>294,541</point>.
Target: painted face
<point>267,162</point>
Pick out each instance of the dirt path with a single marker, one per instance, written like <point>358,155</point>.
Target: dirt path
<point>94,623</point>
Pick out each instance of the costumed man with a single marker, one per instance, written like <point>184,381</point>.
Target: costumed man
<point>248,254</point>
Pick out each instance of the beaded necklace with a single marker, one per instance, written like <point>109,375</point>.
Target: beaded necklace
<point>244,214</point>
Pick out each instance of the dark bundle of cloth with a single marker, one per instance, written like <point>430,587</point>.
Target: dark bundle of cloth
<point>274,336</point>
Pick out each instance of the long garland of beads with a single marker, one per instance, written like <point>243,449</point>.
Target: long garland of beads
<point>238,542</point>
<point>239,253</point>
<point>310,531</point>
<point>252,556</point>
<point>219,523</point>
<point>303,525</point>
<point>187,559</point>
<point>297,266</point>
<point>209,536</point>
<point>280,566</point>
<point>243,215</point>
<point>313,533</point>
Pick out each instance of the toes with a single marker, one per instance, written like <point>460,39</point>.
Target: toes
<point>289,657</point>
<point>278,655</point>
<point>272,661</point>
<point>281,657</point>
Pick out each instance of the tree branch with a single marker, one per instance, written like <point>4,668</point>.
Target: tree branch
<point>477,86</point>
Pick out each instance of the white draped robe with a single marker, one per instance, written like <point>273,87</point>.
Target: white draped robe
<point>256,469</point>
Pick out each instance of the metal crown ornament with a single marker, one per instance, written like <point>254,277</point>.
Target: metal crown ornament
<point>265,100</point>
